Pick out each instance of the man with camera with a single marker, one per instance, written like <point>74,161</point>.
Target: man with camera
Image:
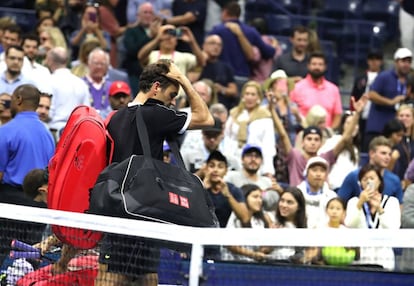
<point>167,40</point>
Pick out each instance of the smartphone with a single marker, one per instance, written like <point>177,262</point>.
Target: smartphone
<point>370,185</point>
<point>92,17</point>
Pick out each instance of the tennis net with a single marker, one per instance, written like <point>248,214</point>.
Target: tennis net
<point>197,256</point>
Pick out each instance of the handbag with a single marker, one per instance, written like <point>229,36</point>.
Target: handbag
<point>142,187</point>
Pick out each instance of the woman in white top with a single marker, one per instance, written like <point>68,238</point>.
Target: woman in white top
<point>374,210</point>
<point>258,219</point>
<point>251,123</point>
<point>290,213</point>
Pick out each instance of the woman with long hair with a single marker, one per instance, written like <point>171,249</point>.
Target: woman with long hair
<point>405,113</point>
<point>372,209</point>
<point>250,122</point>
<point>257,219</point>
<point>290,213</point>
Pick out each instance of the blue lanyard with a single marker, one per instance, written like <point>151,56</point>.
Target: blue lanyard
<point>401,88</point>
<point>368,217</point>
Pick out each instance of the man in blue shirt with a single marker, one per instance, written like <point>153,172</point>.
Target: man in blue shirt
<point>379,155</point>
<point>388,89</point>
<point>25,144</point>
<point>234,45</point>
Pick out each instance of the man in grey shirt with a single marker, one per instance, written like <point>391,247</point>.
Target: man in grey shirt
<point>252,159</point>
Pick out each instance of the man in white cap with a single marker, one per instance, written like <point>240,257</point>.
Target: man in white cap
<point>316,190</point>
<point>388,89</point>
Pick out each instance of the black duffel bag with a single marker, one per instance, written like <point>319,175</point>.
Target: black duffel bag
<point>142,187</point>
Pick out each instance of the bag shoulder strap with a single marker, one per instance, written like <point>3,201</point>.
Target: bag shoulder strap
<point>143,138</point>
<point>142,132</point>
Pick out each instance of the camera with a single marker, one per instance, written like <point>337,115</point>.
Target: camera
<point>175,32</point>
<point>6,104</point>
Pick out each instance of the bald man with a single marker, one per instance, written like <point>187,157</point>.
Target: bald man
<point>68,90</point>
<point>219,72</point>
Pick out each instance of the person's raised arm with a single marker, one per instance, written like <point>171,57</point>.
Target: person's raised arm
<point>243,41</point>
<point>145,51</point>
<point>349,130</point>
<point>195,48</point>
<point>200,115</point>
<point>284,137</point>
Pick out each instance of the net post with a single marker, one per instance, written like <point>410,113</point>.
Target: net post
<point>196,264</point>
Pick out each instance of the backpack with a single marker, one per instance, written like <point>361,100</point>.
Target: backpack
<point>84,150</point>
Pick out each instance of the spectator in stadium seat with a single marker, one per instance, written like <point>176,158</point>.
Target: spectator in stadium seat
<point>225,196</point>
<point>362,85</point>
<point>407,221</point>
<point>97,82</point>
<point>162,9</point>
<point>316,191</point>
<point>111,25</point>
<point>312,141</point>
<point>257,219</point>
<point>65,97</point>
<point>315,89</point>
<point>13,77</point>
<point>11,37</point>
<point>250,123</point>
<point>4,22</point>
<point>44,23</point>
<point>219,72</point>
<point>388,89</point>
<point>252,160</point>
<point>279,85</point>
<point>90,28</point>
<point>316,116</point>
<point>189,13</point>
<point>373,209</point>
<point>290,213</point>
<point>145,28</point>
<point>79,67</point>
<point>119,95</point>
<point>405,114</point>
<point>50,38</point>
<point>193,137</point>
<point>294,62</point>
<point>44,107</point>
<point>380,150</point>
<point>238,41</point>
<point>38,73</point>
<point>348,160</point>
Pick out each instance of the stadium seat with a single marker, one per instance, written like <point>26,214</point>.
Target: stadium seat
<point>13,3</point>
<point>280,24</point>
<point>343,9</point>
<point>385,11</point>
<point>26,19</point>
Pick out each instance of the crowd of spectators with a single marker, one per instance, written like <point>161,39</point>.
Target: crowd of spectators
<point>284,134</point>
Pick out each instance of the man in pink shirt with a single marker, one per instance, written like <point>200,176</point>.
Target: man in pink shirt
<point>315,89</point>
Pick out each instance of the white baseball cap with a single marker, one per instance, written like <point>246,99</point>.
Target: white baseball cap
<point>315,161</point>
<point>402,53</point>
